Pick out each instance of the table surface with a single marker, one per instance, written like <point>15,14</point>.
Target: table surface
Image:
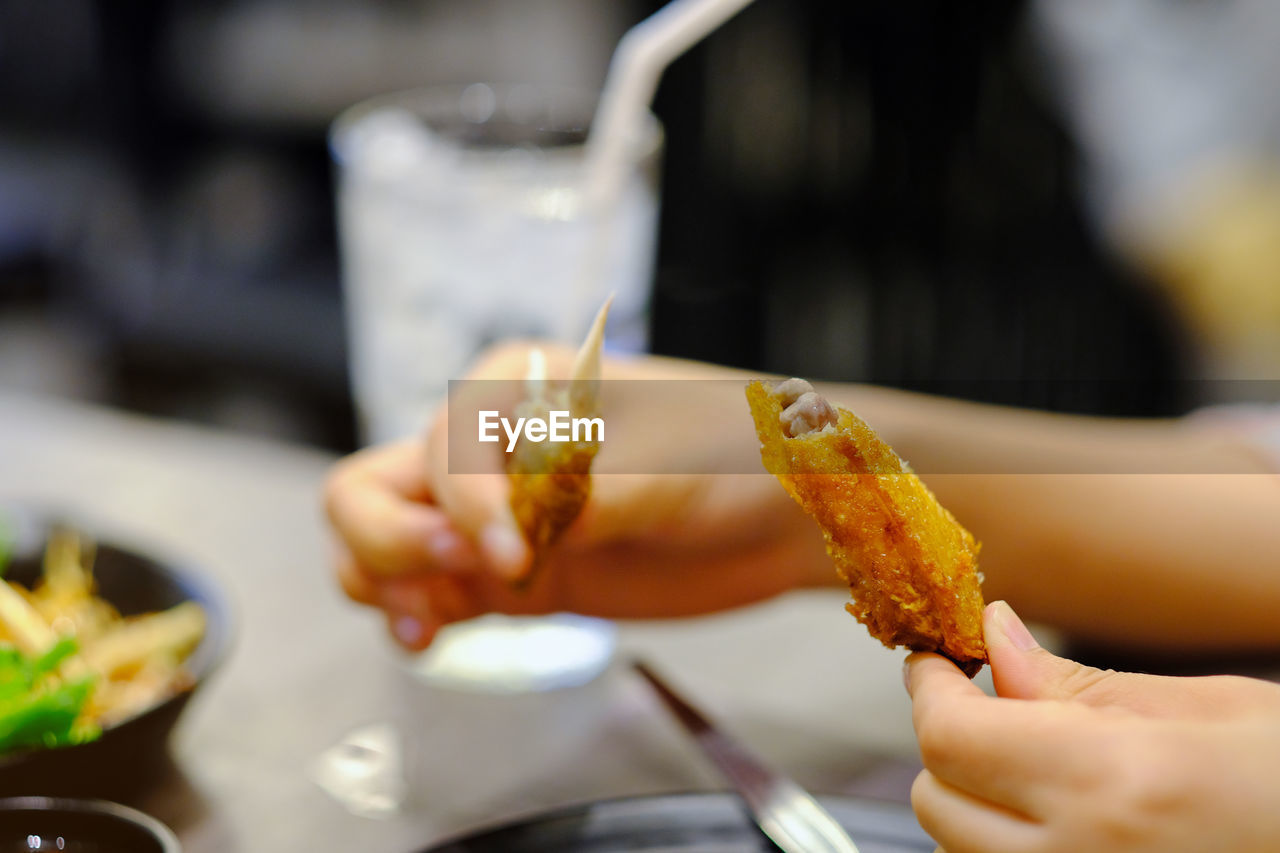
<point>797,678</point>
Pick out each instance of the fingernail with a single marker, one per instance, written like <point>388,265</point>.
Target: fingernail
<point>445,545</point>
<point>408,631</point>
<point>505,549</point>
<point>906,670</point>
<point>1012,628</point>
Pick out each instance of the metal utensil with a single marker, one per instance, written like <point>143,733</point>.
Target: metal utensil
<point>785,812</point>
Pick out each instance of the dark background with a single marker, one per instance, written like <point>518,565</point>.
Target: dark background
<point>877,191</point>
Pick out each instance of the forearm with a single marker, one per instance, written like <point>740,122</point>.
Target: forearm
<point>1141,532</point>
<point>1178,561</point>
<point>1147,532</point>
<point>1138,531</point>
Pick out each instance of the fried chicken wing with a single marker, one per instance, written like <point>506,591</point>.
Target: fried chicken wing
<point>910,566</point>
<point>551,480</point>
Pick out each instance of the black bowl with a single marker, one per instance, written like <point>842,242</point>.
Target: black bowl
<point>134,751</point>
<point>79,826</point>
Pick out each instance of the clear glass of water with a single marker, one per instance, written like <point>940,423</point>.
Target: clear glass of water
<point>462,222</point>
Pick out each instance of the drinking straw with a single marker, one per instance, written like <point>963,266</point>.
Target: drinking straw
<point>641,56</point>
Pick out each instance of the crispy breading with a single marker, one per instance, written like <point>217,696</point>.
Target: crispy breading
<point>551,481</point>
<point>910,566</point>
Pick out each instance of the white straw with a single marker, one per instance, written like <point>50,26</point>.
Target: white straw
<point>638,62</point>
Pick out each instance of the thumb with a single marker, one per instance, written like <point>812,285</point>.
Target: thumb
<point>1021,669</point>
<point>478,501</point>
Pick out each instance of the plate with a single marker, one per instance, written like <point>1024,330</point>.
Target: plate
<point>685,823</point>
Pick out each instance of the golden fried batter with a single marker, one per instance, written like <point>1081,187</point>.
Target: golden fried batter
<point>910,566</point>
<point>551,481</point>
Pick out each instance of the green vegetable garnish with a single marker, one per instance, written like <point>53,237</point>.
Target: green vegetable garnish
<point>37,707</point>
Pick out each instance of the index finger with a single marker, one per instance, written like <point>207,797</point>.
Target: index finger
<point>470,485</point>
<point>938,677</point>
<point>1012,752</point>
<point>376,502</point>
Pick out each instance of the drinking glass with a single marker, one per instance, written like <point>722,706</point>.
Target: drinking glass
<point>462,221</point>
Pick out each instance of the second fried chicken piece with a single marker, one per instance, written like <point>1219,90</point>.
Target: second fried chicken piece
<point>551,481</point>
<point>550,484</point>
<point>910,566</point>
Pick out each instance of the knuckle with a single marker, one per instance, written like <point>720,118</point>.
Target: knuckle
<point>936,739</point>
<point>1145,787</point>
<point>1085,680</point>
<point>411,598</point>
<point>919,791</point>
<point>355,590</point>
<point>1115,827</point>
<point>349,584</point>
<point>923,803</point>
<point>1240,692</point>
<point>354,583</point>
<point>331,497</point>
<point>336,487</point>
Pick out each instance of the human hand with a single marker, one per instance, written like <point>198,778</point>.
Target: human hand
<point>429,547</point>
<point>1069,757</point>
